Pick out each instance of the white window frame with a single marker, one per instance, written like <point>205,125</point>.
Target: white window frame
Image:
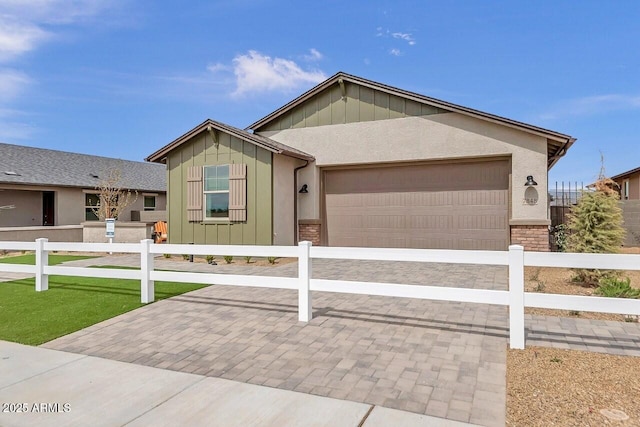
<point>205,192</point>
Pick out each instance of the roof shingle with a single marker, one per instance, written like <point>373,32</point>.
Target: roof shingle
<point>38,166</point>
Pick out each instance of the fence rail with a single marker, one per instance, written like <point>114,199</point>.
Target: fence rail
<point>515,258</point>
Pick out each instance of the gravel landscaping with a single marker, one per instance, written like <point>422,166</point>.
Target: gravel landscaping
<point>547,386</point>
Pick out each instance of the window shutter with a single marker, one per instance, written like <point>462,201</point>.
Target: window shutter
<point>238,192</point>
<point>194,193</point>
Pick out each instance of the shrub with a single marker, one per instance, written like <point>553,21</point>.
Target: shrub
<point>185,257</point>
<point>617,288</point>
<point>228,259</point>
<point>560,237</point>
<point>210,259</point>
<point>595,225</point>
<point>166,255</point>
<point>248,259</point>
<point>271,259</point>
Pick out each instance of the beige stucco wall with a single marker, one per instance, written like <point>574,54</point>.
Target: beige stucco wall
<point>126,232</point>
<point>434,137</point>
<point>69,203</point>
<point>137,204</point>
<point>283,199</point>
<point>62,233</point>
<point>27,211</point>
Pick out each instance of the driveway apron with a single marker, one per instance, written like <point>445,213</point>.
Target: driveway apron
<point>443,359</point>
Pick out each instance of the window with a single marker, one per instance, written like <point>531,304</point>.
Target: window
<point>91,202</point>
<point>149,203</point>
<point>216,192</point>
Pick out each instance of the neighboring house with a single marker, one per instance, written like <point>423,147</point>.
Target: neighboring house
<point>628,184</point>
<point>56,188</point>
<point>629,187</point>
<point>353,162</point>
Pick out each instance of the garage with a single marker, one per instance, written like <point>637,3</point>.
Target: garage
<point>460,205</point>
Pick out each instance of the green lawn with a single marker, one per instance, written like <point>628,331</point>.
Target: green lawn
<point>70,304</point>
<point>31,259</point>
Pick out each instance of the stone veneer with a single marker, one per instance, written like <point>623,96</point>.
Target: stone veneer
<point>532,237</point>
<point>309,229</point>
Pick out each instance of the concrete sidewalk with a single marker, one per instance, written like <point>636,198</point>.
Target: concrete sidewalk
<point>42,387</point>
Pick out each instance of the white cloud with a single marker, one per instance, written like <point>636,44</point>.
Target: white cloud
<point>217,67</point>
<point>17,38</point>
<point>395,52</point>
<point>53,11</point>
<point>313,55</point>
<point>592,105</point>
<point>22,22</point>
<point>256,72</point>
<point>404,36</point>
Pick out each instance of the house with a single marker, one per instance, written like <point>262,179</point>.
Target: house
<point>353,162</point>
<point>53,192</point>
<point>628,184</point>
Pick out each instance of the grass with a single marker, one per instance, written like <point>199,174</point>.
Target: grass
<point>70,304</point>
<point>30,259</point>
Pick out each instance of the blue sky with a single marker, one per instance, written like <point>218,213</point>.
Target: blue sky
<point>122,78</point>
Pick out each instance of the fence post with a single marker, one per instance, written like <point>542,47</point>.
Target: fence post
<point>42,260</point>
<point>304,275</point>
<point>516,297</point>
<point>147,288</point>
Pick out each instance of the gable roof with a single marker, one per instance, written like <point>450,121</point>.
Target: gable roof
<point>625,174</point>
<point>39,166</point>
<point>258,140</point>
<point>557,143</point>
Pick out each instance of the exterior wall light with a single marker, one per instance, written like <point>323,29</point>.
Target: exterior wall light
<point>530,182</point>
<point>304,189</point>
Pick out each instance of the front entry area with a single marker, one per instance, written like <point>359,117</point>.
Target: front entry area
<point>462,205</point>
<point>48,208</point>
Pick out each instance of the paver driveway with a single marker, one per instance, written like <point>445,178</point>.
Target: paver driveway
<point>438,358</point>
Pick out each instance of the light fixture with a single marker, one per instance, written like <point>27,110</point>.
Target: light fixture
<point>304,189</point>
<point>530,182</point>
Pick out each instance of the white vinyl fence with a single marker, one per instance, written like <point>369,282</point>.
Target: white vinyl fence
<point>515,258</point>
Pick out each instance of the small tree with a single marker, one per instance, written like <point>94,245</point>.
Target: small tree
<point>595,226</point>
<point>112,199</point>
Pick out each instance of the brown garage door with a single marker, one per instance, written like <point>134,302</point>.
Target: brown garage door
<point>440,206</point>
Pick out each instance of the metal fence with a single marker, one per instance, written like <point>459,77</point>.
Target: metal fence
<point>562,197</point>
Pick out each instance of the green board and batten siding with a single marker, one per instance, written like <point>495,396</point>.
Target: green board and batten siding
<point>362,104</point>
<point>201,151</point>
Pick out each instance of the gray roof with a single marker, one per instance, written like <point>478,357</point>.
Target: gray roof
<point>38,166</point>
<point>258,140</point>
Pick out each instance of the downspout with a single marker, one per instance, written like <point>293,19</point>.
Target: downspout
<point>295,201</point>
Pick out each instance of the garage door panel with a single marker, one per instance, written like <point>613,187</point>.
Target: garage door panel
<point>381,241</point>
<point>454,206</point>
<point>434,242</point>
<point>346,222</point>
<point>430,222</point>
<point>392,222</point>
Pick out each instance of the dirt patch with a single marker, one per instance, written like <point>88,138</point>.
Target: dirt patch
<point>558,281</point>
<point>547,386</point>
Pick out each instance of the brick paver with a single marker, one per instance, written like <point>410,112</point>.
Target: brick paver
<point>439,358</point>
